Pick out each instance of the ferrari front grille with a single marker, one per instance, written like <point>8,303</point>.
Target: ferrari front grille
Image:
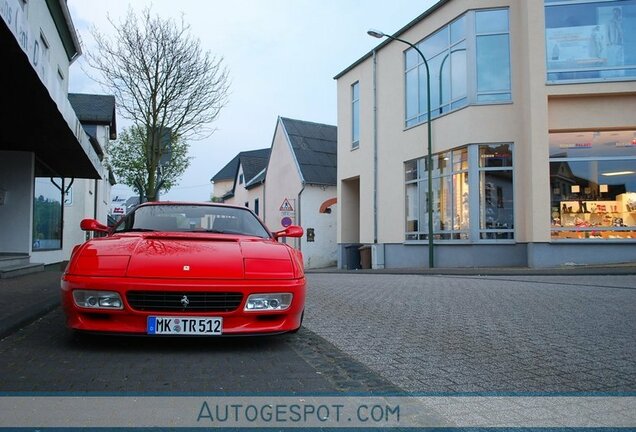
<point>158,301</point>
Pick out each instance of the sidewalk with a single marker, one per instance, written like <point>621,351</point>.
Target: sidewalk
<point>26,298</point>
<point>574,270</point>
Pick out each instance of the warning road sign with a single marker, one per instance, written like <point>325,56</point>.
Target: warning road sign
<point>286,206</point>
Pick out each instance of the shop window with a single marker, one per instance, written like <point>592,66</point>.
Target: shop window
<point>47,214</point>
<point>486,169</point>
<point>450,197</point>
<point>593,185</point>
<point>590,40</point>
<point>496,215</point>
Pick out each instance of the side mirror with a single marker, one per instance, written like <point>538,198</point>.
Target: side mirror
<point>93,225</point>
<point>290,231</point>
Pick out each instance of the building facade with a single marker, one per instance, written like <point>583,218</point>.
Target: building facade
<point>248,182</point>
<point>90,198</point>
<point>224,181</point>
<point>292,182</point>
<point>301,177</point>
<point>533,137</point>
<point>43,144</point>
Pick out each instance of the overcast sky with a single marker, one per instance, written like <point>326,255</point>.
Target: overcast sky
<point>282,56</point>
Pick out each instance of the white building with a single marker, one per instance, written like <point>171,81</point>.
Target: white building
<point>241,181</point>
<point>300,179</point>
<point>296,185</point>
<point>42,142</point>
<point>90,198</point>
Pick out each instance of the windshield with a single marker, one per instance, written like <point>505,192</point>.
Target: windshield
<point>193,218</point>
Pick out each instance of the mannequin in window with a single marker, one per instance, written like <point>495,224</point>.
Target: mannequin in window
<point>615,54</point>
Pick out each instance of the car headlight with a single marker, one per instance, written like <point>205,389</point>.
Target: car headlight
<point>97,299</point>
<point>268,302</point>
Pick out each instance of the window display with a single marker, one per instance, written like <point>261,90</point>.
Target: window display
<point>590,40</point>
<point>493,219</point>
<point>496,206</point>
<point>593,185</point>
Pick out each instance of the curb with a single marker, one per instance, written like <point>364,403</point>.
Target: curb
<point>559,271</point>
<point>12,323</point>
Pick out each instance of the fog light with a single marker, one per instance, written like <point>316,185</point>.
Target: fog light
<point>97,299</point>
<point>268,302</point>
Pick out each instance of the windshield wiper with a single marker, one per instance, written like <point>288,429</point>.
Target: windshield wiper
<point>217,231</point>
<point>138,230</point>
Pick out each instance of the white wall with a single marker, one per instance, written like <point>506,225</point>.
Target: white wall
<point>283,182</point>
<point>16,215</point>
<point>80,204</point>
<point>241,195</point>
<point>323,251</point>
<point>81,207</point>
<point>41,22</point>
<point>257,192</point>
<point>221,187</point>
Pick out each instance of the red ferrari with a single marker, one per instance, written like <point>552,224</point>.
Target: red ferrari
<point>185,269</point>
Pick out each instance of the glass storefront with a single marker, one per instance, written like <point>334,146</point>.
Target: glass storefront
<point>496,217</point>
<point>47,214</point>
<point>485,169</point>
<point>593,185</point>
<point>590,40</point>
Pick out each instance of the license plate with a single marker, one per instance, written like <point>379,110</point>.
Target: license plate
<point>165,325</point>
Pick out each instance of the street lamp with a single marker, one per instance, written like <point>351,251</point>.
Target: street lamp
<point>429,158</point>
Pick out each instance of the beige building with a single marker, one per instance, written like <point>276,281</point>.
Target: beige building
<point>533,107</point>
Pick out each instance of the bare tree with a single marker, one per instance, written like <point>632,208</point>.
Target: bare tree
<point>162,81</point>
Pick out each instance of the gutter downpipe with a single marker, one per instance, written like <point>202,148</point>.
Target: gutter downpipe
<point>298,207</point>
<point>375,152</point>
<point>95,202</point>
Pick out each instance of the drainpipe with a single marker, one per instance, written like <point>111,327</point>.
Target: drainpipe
<point>95,204</point>
<point>264,211</point>
<point>375,153</point>
<point>300,240</point>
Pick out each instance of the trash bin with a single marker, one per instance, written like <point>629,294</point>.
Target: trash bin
<point>365,256</point>
<point>352,256</point>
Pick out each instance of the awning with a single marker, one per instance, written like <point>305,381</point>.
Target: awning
<point>32,122</point>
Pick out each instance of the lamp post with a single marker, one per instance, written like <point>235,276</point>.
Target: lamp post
<point>429,158</point>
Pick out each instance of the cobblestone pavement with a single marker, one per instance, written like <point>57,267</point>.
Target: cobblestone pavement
<point>45,357</point>
<point>472,333</point>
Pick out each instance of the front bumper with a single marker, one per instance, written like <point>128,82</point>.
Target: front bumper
<point>130,321</point>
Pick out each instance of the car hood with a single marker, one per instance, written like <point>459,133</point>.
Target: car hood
<point>184,256</point>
